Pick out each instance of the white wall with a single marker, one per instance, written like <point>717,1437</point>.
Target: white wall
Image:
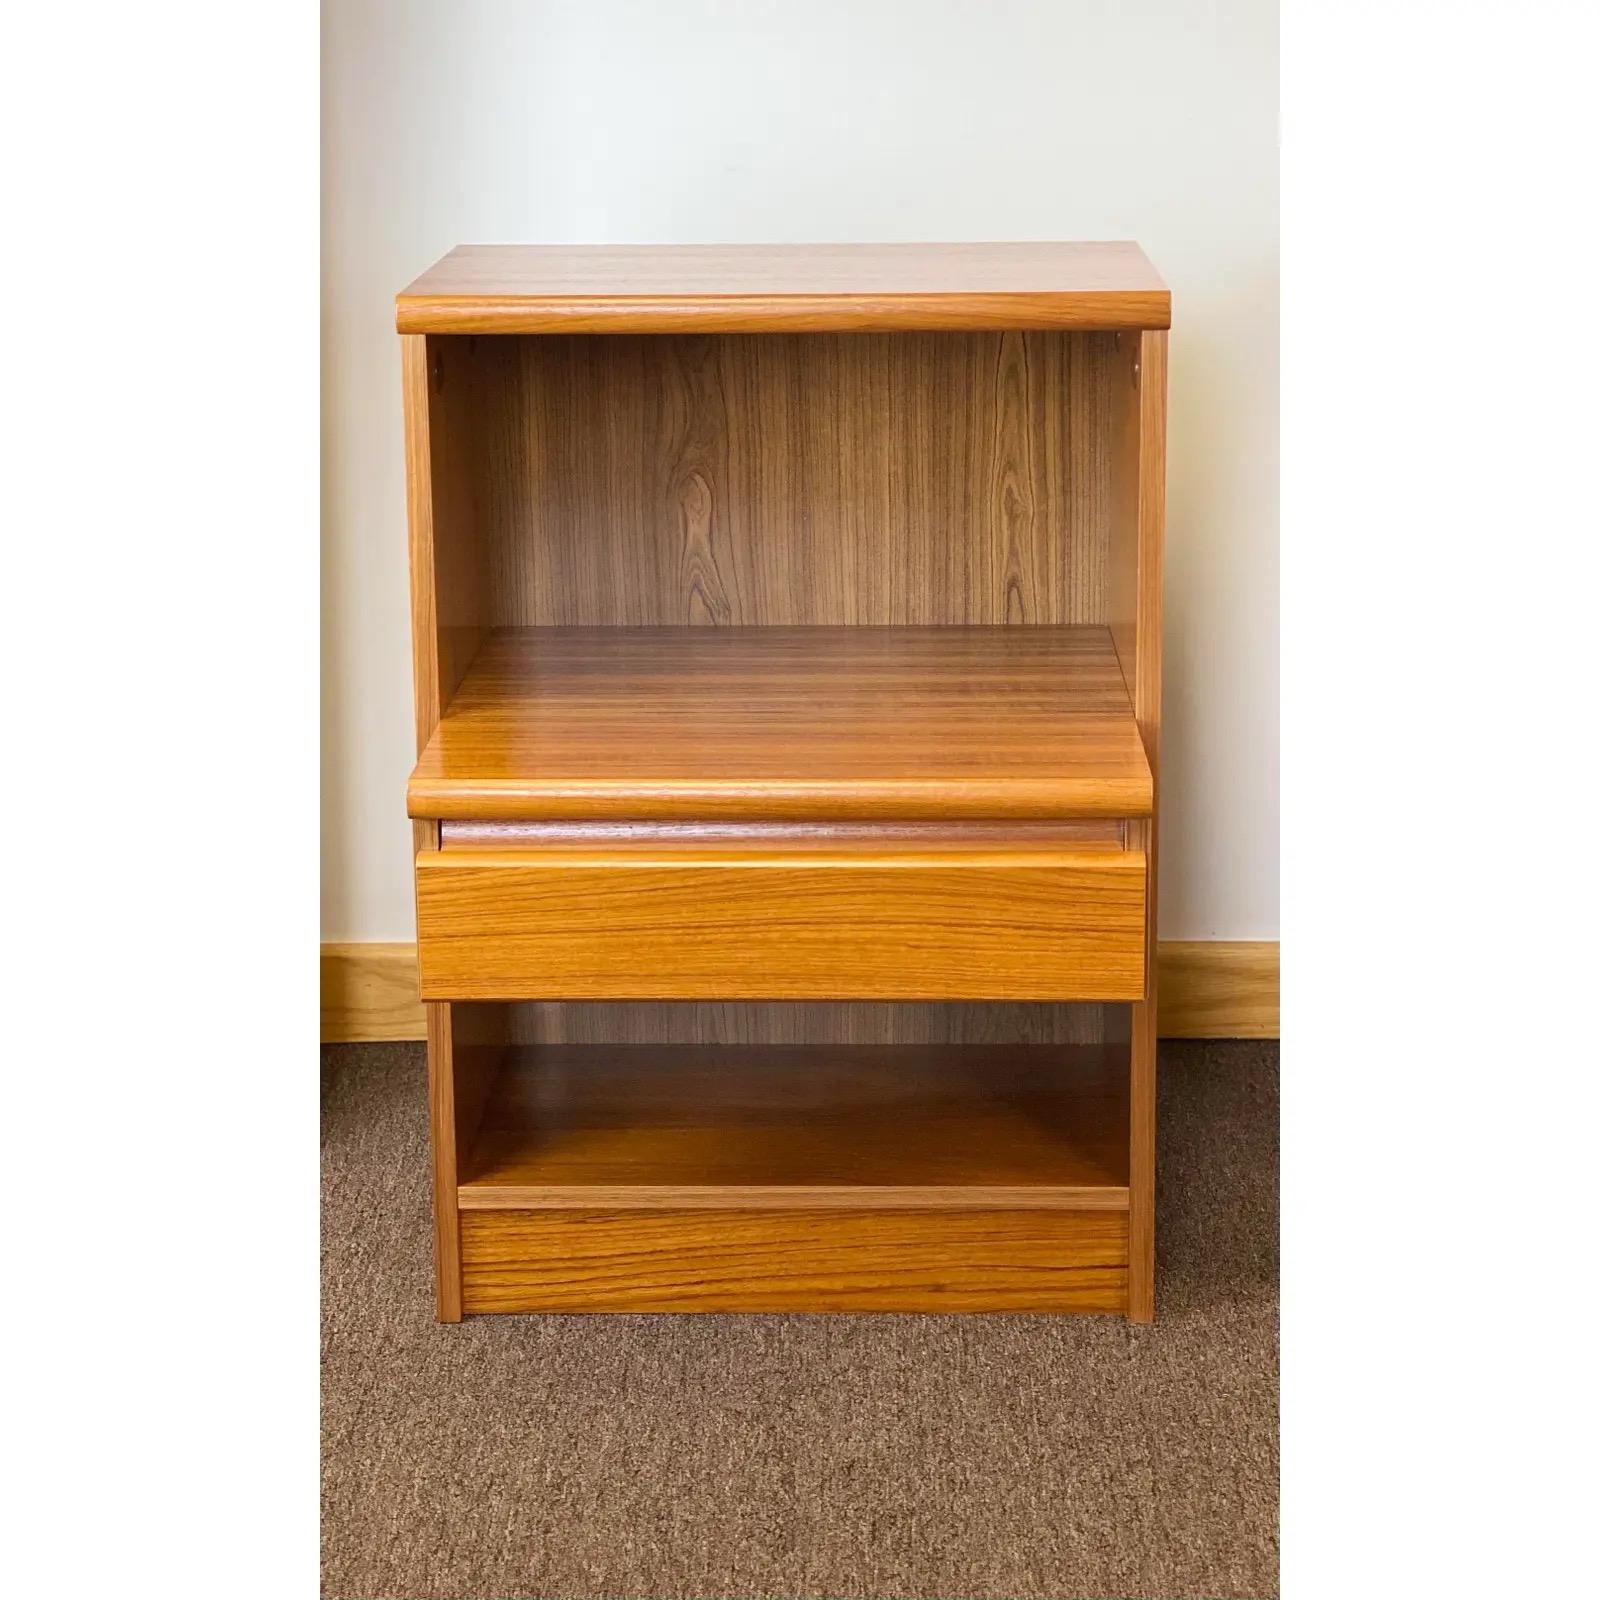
<point>449,121</point>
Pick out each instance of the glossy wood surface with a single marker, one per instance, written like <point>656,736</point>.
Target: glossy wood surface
<point>449,567</point>
<point>1225,989</point>
<point>818,480</point>
<point>1219,989</point>
<point>795,287</point>
<point>802,1126</point>
<point>838,1022</point>
<point>445,1173</point>
<point>465,1048</point>
<point>369,992</point>
<point>823,1260</point>
<point>891,922</point>
<point>1134,588</point>
<point>772,723</point>
<point>426,696</point>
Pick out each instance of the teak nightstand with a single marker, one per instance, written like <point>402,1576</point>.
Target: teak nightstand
<point>787,630</point>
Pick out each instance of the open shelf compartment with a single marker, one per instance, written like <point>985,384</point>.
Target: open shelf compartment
<point>799,1178</point>
<point>739,1126</point>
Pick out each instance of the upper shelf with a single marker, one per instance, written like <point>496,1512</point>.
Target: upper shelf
<point>776,288</point>
<point>650,724</point>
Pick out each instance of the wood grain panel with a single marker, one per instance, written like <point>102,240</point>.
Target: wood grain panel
<point>465,1046</point>
<point>817,1260</point>
<point>660,289</point>
<point>443,1153</point>
<point>1215,990</point>
<point>661,1126</point>
<point>369,992</point>
<point>426,696</point>
<point>823,480</point>
<point>871,1022</point>
<point>1222,989</point>
<point>450,608</point>
<point>895,923</point>
<point>1134,581</point>
<point>760,724</point>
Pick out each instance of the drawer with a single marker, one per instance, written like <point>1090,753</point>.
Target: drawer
<point>845,918</point>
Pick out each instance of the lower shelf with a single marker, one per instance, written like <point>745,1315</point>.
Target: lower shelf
<point>897,1178</point>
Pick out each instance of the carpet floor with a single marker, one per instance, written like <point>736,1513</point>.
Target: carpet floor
<point>795,1458</point>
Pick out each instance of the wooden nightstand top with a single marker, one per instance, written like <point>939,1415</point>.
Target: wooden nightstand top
<point>751,288</point>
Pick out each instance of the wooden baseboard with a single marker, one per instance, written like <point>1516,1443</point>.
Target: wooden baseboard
<point>1222,989</point>
<point>369,991</point>
<point>1217,989</point>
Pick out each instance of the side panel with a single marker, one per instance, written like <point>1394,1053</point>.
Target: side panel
<point>1138,514</point>
<point>466,1044</point>
<point>447,616</point>
<point>450,583</point>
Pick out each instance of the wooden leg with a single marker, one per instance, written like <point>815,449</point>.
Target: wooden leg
<point>1142,1164</point>
<point>466,1048</point>
<point>1142,1115</point>
<point>442,1137</point>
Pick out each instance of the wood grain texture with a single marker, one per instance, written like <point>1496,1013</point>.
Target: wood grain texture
<point>449,565</point>
<point>660,289</point>
<point>465,1047</point>
<point>426,696</point>
<point>821,1260</point>
<point>1210,989</point>
<point>922,479</point>
<point>1134,586</point>
<point>1219,990</point>
<point>442,1149</point>
<point>788,481</point>
<point>697,923</point>
<point>466,1044</point>
<point>446,577</point>
<point>801,1126</point>
<point>822,1023</point>
<point>774,723</point>
<point>369,992</point>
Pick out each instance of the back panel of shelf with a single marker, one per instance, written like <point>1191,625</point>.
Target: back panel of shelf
<point>778,479</point>
<point>767,1022</point>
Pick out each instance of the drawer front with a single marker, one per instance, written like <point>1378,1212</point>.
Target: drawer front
<point>979,923</point>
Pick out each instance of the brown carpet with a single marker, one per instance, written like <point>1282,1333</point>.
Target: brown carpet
<point>897,1458</point>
